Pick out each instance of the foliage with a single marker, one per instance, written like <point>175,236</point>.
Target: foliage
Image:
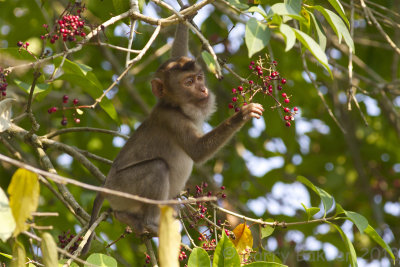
<point>67,106</point>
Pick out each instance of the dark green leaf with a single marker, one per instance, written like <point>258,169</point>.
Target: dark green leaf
<point>267,230</point>
<point>358,220</point>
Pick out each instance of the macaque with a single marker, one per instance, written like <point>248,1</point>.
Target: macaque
<point>157,160</point>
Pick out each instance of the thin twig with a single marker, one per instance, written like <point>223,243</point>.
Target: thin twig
<point>379,27</point>
<point>83,129</point>
<point>150,251</point>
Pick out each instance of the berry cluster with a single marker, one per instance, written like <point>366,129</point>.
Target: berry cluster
<point>64,120</point>
<point>182,255</point>
<point>200,191</point>
<point>3,83</point>
<point>65,238</point>
<point>266,78</point>
<point>68,27</point>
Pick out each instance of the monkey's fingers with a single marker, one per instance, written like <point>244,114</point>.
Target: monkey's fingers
<point>253,110</point>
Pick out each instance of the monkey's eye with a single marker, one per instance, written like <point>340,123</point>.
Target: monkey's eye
<point>189,82</point>
<point>200,77</point>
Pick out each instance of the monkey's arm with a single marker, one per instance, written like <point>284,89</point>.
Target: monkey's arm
<point>202,147</point>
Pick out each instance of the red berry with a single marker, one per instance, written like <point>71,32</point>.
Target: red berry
<point>295,109</point>
<point>237,109</point>
<point>148,257</point>
<point>240,88</point>
<point>287,118</point>
<point>234,90</point>
<point>244,103</point>
<point>200,238</point>
<point>64,121</point>
<point>3,93</point>
<point>252,63</point>
<point>234,99</point>
<point>42,37</point>
<point>251,82</point>
<point>202,216</point>
<point>83,34</point>
<point>75,101</point>
<point>286,110</point>
<point>230,105</point>
<point>284,95</point>
<point>260,72</point>
<point>65,99</point>
<point>19,44</point>
<point>283,81</point>
<point>258,68</point>
<point>287,100</point>
<point>77,121</point>
<point>279,87</point>
<point>250,67</point>
<point>223,195</point>
<point>222,187</point>
<point>274,62</point>
<point>287,124</point>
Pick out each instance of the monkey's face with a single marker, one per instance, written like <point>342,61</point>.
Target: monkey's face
<point>192,84</point>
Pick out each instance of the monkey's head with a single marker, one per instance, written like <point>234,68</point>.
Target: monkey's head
<point>179,81</point>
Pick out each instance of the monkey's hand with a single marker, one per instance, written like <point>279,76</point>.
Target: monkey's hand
<point>252,110</point>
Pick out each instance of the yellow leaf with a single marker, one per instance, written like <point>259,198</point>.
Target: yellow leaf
<point>18,255</point>
<point>24,197</point>
<point>169,238</point>
<point>244,240</point>
<point>49,250</point>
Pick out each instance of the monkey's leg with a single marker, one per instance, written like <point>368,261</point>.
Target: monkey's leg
<point>149,179</point>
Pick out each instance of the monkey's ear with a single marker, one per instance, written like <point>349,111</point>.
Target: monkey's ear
<point>157,87</point>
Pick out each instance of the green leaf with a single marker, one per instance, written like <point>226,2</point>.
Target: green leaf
<point>24,197</point>
<point>348,244</point>
<point>310,211</point>
<point>39,87</point>
<point>72,67</point>
<point>238,4</point>
<point>339,209</point>
<point>265,264</point>
<point>267,230</point>
<point>284,9</point>
<point>337,25</point>
<point>327,199</point>
<point>18,255</point>
<point>257,36</point>
<point>320,31</point>
<point>101,260</point>
<point>374,235</point>
<point>198,258</point>
<point>49,250</point>
<point>339,9</point>
<point>314,48</point>
<point>7,225</point>
<point>294,5</point>
<point>120,6</point>
<point>257,10</point>
<point>225,254</point>
<point>289,35</point>
<point>360,221</point>
<point>209,60</point>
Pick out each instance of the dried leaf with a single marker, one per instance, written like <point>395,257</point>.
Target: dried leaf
<point>169,238</point>
<point>24,197</point>
<point>244,240</point>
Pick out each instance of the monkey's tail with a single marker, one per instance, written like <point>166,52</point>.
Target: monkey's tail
<point>98,202</point>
